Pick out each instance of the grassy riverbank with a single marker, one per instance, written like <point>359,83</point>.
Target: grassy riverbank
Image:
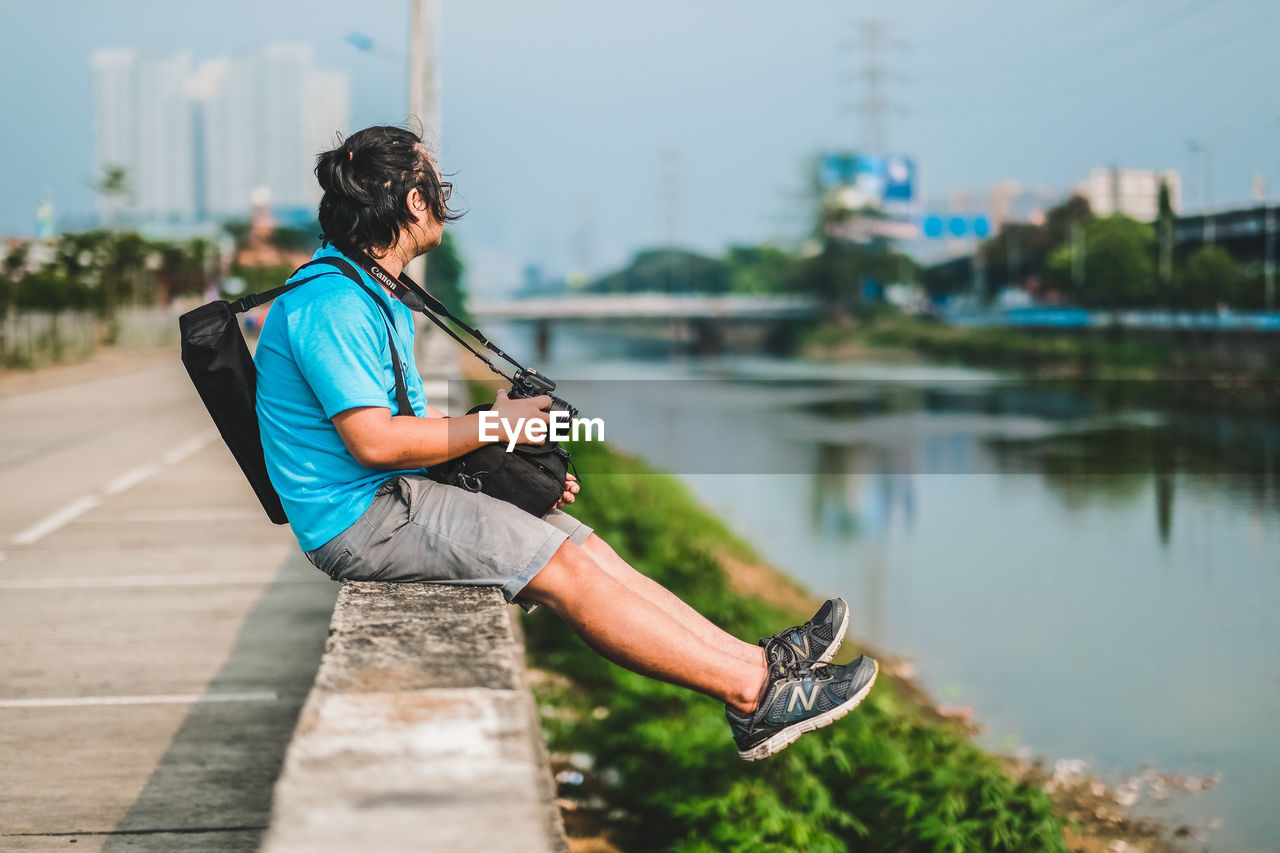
<point>1161,374</point>
<point>662,770</point>
<point>1092,355</point>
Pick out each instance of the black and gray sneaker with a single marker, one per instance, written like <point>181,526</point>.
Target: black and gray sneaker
<point>800,698</point>
<point>816,641</point>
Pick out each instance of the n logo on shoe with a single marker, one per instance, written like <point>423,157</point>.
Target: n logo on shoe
<point>806,701</point>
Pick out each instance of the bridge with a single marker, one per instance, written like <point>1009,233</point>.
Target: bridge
<point>649,306</point>
<point>703,322</point>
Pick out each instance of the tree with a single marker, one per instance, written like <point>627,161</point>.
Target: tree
<point>758,269</point>
<point>12,270</point>
<point>666,270</point>
<point>51,289</point>
<point>1209,277</point>
<point>1061,219</point>
<point>1164,234</point>
<point>1022,249</point>
<point>114,188</point>
<point>1115,268</point>
<point>1019,250</point>
<point>444,275</point>
<point>183,268</point>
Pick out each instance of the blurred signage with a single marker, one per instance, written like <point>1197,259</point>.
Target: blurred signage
<point>44,219</point>
<point>953,226</point>
<point>867,229</point>
<point>871,180</point>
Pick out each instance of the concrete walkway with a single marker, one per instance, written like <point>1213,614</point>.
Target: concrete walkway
<point>158,635</point>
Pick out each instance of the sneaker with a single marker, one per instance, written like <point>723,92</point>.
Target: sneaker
<point>798,699</point>
<point>816,641</point>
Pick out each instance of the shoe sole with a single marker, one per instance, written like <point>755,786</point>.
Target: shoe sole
<point>826,656</point>
<point>784,738</point>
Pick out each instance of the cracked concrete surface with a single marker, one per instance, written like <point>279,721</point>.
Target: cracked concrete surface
<point>419,733</point>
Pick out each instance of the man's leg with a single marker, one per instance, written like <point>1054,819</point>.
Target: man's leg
<point>634,632</point>
<point>648,588</point>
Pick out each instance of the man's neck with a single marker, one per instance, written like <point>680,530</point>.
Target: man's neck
<point>391,262</point>
<point>398,256</point>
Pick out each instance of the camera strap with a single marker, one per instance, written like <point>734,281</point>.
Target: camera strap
<point>405,408</point>
<point>415,297</point>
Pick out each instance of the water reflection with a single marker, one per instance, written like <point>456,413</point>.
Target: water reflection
<point>1084,451</point>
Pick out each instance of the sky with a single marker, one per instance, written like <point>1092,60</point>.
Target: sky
<point>581,132</point>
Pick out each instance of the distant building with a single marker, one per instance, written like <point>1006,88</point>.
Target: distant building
<point>265,116</point>
<point>1132,192</point>
<point>201,144</point>
<point>143,124</point>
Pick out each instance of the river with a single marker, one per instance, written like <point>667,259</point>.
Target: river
<point>1092,580</point>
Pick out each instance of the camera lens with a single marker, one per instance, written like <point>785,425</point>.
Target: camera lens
<point>558,405</point>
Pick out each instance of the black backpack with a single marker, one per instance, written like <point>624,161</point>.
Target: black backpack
<point>219,364</point>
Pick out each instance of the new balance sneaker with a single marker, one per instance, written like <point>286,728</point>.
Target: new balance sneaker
<point>816,641</point>
<point>800,698</point>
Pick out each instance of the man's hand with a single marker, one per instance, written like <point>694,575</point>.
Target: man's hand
<point>571,488</point>
<point>510,411</point>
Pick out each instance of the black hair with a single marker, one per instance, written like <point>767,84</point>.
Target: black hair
<point>366,182</point>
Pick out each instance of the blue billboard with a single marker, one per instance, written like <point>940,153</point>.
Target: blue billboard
<point>878,178</point>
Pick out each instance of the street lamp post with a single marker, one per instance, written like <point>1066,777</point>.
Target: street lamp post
<point>424,88</point>
<point>1269,266</point>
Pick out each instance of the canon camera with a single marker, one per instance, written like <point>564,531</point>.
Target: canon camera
<point>530,383</point>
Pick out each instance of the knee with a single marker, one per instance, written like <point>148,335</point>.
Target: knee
<point>600,551</point>
<point>595,543</point>
<point>568,573</point>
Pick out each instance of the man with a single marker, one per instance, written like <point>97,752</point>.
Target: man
<point>349,472</point>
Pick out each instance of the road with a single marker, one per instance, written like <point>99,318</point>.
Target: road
<point>157,633</point>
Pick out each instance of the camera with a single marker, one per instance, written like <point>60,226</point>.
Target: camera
<point>530,383</point>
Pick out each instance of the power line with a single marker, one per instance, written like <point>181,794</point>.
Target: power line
<point>1158,61</point>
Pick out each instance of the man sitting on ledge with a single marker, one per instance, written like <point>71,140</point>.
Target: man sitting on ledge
<point>350,473</point>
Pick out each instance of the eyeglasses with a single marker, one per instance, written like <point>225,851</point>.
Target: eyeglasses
<point>446,190</point>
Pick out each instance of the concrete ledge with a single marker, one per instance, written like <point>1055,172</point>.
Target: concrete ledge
<point>419,733</point>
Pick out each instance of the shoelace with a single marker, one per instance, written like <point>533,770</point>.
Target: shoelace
<point>808,669</point>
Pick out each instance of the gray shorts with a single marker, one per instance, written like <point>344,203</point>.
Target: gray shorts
<point>418,530</point>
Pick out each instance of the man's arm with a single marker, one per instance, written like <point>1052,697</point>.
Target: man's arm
<point>378,440</point>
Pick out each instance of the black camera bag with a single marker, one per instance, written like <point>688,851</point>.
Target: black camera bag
<point>530,476</point>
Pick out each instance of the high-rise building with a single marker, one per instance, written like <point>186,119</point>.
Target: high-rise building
<point>203,144</point>
<point>1133,192</point>
<point>143,125</point>
<point>265,117</point>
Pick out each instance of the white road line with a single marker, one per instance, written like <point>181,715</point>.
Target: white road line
<point>176,514</point>
<point>161,699</point>
<point>112,581</point>
<point>127,480</point>
<point>131,478</point>
<point>182,451</point>
<point>50,523</point>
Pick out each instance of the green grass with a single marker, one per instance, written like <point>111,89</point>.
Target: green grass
<point>1093,353</point>
<point>885,778</point>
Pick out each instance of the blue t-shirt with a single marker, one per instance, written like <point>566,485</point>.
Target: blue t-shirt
<point>323,350</point>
